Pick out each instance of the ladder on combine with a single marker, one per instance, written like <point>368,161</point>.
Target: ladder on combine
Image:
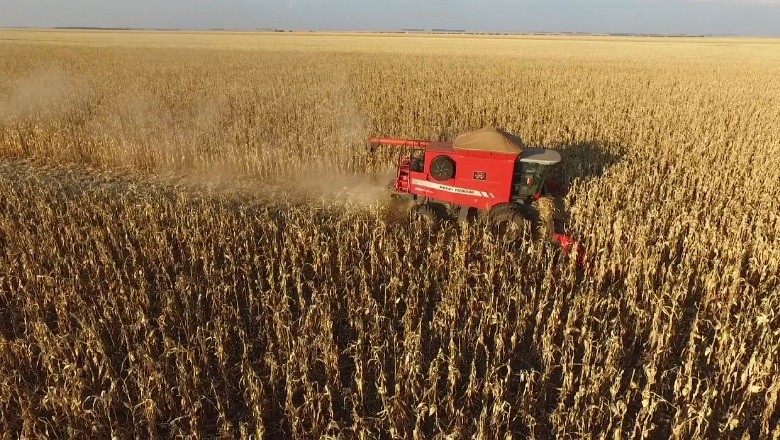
<point>402,176</point>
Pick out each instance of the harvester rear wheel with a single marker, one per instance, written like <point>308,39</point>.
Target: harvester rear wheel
<point>509,224</point>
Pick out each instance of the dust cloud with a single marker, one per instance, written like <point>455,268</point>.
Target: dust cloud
<point>315,185</point>
<point>195,149</point>
<point>355,190</point>
<point>317,179</point>
<point>41,92</point>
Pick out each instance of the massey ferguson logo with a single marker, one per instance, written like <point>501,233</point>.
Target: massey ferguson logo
<point>456,190</point>
<point>480,175</point>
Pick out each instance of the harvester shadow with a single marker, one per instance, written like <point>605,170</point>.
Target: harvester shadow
<point>583,161</point>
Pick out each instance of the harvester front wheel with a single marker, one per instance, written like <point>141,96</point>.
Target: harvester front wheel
<point>425,214</point>
<point>509,224</point>
<point>399,209</point>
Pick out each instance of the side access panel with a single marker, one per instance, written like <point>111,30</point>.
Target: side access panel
<point>480,180</point>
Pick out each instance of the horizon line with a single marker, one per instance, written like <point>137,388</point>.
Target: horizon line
<point>433,31</point>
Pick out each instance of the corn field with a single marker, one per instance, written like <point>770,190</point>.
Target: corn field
<point>194,239</point>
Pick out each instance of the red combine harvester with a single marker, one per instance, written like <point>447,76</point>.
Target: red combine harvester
<point>487,171</point>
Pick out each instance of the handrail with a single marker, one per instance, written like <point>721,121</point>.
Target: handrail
<point>400,142</point>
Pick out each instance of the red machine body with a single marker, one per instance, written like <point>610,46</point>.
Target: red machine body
<point>435,173</point>
<point>481,180</point>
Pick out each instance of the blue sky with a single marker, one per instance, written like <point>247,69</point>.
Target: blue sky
<point>751,17</point>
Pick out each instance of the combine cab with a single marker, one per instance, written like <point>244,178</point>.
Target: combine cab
<point>485,171</point>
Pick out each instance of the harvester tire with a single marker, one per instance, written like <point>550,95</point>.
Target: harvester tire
<point>509,224</point>
<point>442,168</point>
<point>425,214</point>
<point>399,209</point>
<point>495,210</point>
